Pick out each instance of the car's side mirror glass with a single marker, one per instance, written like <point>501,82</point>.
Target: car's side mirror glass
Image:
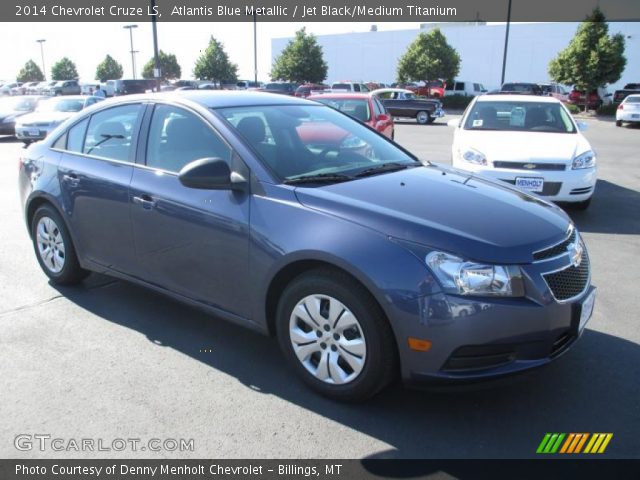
<point>210,174</point>
<point>383,117</point>
<point>582,126</point>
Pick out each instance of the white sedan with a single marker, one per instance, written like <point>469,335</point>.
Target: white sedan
<point>528,141</point>
<point>628,110</point>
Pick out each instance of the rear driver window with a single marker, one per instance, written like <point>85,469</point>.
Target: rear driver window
<point>111,131</point>
<point>75,136</point>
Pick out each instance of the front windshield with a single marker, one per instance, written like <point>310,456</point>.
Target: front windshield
<point>358,109</point>
<point>60,105</point>
<point>19,104</point>
<point>311,140</point>
<point>519,116</point>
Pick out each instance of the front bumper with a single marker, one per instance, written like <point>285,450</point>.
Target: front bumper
<point>33,133</point>
<point>559,186</point>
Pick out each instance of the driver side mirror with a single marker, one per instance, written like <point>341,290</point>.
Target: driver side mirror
<point>582,126</point>
<point>383,117</point>
<point>211,174</point>
<point>454,122</point>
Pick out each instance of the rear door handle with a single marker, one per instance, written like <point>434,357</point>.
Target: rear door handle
<point>145,200</point>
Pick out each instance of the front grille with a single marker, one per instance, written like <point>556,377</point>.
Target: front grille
<point>571,281</point>
<point>36,124</point>
<point>478,357</point>
<point>556,250</point>
<point>549,188</point>
<point>530,166</point>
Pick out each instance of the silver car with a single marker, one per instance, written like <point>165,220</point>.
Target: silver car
<point>49,114</point>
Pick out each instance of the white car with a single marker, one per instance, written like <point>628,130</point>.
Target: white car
<point>628,110</point>
<point>529,141</point>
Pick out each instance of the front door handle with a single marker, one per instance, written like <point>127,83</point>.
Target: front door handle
<point>71,178</point>
<point>145,200</point>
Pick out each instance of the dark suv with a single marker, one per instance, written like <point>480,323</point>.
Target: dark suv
<point>522,88</point>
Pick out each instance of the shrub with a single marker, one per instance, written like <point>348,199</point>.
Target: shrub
<point>607,110</point>
<point>574,109</point>
<point>456,102</point>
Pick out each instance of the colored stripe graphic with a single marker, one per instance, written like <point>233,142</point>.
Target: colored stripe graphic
<point>573,443</point>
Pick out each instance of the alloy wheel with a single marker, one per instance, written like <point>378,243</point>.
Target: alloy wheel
<point>50,243</point>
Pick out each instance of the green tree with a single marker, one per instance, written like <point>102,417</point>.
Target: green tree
<point>64,69</point>
<point>429,57</point>
<point>593,58</point>
<point>169,67</point>
<point>108,69</point>
<point>214,64</point>
<point>30,73</point>
<point>301,61</point>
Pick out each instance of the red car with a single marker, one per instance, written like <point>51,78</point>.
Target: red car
<point>361,106</point>
<point>578,97</point>
<point>433,88</point>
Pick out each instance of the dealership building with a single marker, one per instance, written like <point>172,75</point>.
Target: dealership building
<point>374,55</point>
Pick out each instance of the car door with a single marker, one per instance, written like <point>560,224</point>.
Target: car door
<point>94,174</point>
<point>392,104</point>
<point>189,241</point>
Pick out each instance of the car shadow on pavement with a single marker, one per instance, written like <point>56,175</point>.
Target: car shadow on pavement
<point>9,139</point>
<point>614,209</point>
<point>593,388</point>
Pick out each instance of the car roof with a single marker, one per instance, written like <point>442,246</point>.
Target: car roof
<point>387,90</point>
<point>217,98</point>
<point>342,96</point>
<point>516,98</point>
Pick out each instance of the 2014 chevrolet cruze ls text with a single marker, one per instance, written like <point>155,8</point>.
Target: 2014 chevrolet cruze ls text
<point>295,220</point>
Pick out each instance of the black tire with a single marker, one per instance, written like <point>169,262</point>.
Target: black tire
<point>71,272</point>
<point>380,364</point>
<point>423,117</point>
<point>618,123</point>
<point>393,135</point>
<point>582,205</point>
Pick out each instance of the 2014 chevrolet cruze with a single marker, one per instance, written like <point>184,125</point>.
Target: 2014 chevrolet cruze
<point>293,219</point>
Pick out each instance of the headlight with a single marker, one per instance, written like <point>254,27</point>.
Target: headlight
<point>473,156</point>
<point>469,278</point>
<point>584,160</point>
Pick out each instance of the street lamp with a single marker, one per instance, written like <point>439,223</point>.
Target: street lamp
<point>41,41</point>
<point>133,61</point>
<point>255,49</point>
<point>506,43</point>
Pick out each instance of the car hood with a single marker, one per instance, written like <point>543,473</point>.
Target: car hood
<point>524,146</point>
<point>46,117</point>
<point>448,210</point>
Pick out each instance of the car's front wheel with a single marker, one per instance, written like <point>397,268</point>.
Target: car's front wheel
<point>618,123</point>
<point>335,335</point>
<point>582,205</point>
<point>54,248</point>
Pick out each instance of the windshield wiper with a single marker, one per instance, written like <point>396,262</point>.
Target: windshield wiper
<point>385,168</point>
<point>318,178</point>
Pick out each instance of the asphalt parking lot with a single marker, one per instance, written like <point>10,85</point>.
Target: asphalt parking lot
<point>111,360</point>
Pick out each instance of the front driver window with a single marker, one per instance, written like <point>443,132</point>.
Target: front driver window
<point>178,137</point>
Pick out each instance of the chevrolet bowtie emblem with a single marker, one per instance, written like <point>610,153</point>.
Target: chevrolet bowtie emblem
<point>529,166</point>
<point>575,252</point>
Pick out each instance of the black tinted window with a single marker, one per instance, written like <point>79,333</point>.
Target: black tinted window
<point>178,137</point>
<point>110,133</point>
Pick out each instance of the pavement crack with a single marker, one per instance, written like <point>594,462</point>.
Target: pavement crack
<point>51,299</point>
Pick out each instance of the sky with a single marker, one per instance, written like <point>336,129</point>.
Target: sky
<point>87,44</point>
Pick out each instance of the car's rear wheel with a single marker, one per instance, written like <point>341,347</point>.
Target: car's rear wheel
<point>54,249</point>
<point>335,336</point>
<point>423,117</point>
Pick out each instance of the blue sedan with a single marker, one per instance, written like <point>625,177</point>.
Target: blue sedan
<point>293,219</point>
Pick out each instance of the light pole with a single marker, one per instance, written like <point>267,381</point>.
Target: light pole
<point>506,43</point>
<point>133,53</point>
<point>255,49</point>
<point>41,41</point>
<point>156,58</point>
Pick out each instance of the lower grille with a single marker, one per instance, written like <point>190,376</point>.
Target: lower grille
<point>478,357</point>
<point>571,281</point>
<point>580,191</point>
<point>561,343</point>
<point>549,189</point>
<point>530,166</point>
